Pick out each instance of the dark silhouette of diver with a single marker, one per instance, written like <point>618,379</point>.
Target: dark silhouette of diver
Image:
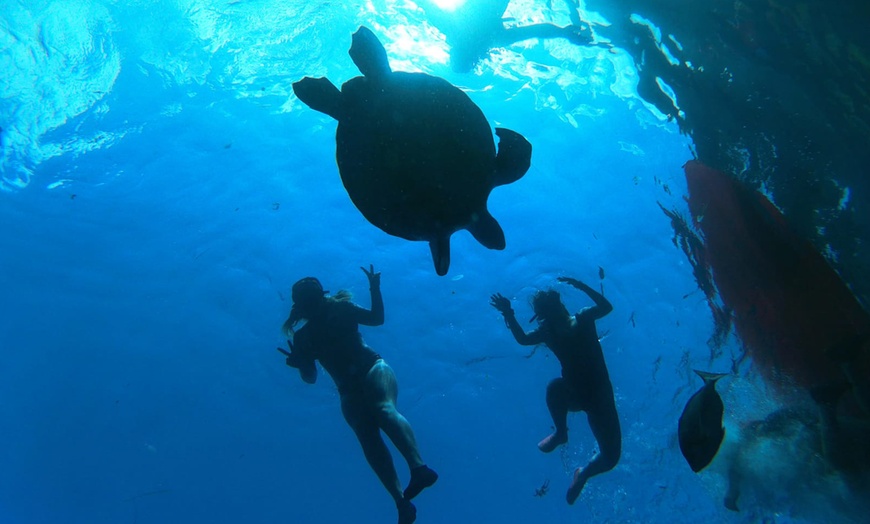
<point>585,383</point>
<point>477,26</point>
<point>366,384</point>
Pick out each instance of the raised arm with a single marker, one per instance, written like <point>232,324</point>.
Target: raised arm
<point>375,316</point>
<point>602,305</point>
<point>504,306</point>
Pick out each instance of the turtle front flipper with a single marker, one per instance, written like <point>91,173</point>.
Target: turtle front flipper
<point>369,54</point>
<point>514,156</point>
<point>440,248</point>
<point>485,229</point>
<point>319,94</point>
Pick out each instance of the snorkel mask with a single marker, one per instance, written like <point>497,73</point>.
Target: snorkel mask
<point>546,304</point>
<point>307,293</point>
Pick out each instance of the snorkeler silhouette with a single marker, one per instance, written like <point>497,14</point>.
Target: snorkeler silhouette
<point>366,384</point>
<point>584,385</point>
<point>475,27</point>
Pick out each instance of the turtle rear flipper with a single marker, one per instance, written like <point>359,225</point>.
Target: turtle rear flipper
<point>319,94</point>
<point>369,54</point>
<point>440,248</point>
<point>485,229</point>
<point>514,156</point>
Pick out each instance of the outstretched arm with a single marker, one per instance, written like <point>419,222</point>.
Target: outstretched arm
<point>578,35</point>
<point>375,316</point>
<point>602,305</point>
<point>504,306</point>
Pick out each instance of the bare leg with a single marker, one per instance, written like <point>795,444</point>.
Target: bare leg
<point>376,452</point>
<point>558,401</point>
<point>382,393</point>
<point>360,419</point>
<point>604,423</point>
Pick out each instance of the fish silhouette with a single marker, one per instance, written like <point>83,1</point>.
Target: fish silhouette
<point>700,428</point>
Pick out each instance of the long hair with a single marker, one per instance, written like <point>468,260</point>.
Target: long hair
<point>342,295</point>
<point>339,297</point>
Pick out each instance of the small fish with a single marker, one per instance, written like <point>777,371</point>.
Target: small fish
<point>631,319</point>
<point>656,365</point>
<point>700,428</point>
<point>540,492</point>
<point>601,272</point>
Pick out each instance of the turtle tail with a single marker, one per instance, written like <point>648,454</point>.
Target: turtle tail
<point>440,248</point>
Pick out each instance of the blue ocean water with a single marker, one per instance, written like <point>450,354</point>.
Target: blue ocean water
<point>163,188</point>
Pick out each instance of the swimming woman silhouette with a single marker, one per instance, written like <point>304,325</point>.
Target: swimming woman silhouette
<point>475,27</point>
<point>366,384</point>
<point>584,384</point>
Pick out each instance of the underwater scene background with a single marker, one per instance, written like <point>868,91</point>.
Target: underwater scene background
<point>162,188</point>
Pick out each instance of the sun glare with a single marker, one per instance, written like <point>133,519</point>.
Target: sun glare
<point>448,5</point>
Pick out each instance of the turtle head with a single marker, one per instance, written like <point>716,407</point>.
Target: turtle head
<point>369,54</point>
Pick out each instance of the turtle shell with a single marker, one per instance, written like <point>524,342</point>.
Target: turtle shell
<point>415,154</point>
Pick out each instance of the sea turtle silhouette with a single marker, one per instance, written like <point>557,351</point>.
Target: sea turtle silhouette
<point>415,154</point>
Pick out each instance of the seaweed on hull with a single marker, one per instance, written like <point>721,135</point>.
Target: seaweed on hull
<point>773,92</point>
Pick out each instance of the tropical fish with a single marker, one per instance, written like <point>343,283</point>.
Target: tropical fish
<point>700,428</point>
